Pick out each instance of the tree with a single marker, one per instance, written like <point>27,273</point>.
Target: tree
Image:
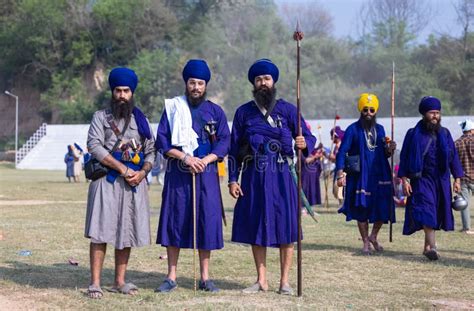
<point>465,12</point>
<point>313,18</point>
<point>393,23</point>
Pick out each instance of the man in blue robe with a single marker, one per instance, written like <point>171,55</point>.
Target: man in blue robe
<point>261,149</point>
<point>310,174</point>
<point>192,135</point>
<point>368,180</point>
<point>427,159</point>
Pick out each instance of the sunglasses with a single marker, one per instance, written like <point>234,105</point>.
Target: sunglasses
<point>366,109</point>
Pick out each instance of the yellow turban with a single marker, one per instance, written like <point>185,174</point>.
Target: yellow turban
<point>368,100</point>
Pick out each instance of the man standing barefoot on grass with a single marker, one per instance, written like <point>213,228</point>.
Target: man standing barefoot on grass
<point>427,159</point>
<point>368,197</point>
<point>261,148</point>
<point>117,205</point>
<point>192,135</point>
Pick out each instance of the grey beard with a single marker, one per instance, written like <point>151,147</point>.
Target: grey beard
<point>264,96</point>
<point>121,110</point>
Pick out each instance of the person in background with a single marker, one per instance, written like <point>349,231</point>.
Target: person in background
<point>310,173</point>
<point>77,152</point>
<point>69,160</point>
<point>337,134</point>
<point>465,147</point>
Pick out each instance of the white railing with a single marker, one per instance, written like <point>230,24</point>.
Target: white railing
<point>31,143</point>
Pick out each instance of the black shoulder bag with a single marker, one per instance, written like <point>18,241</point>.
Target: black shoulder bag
<point>352,164</point>
<point>93,168</point>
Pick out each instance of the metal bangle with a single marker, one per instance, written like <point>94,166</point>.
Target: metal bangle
<point>185,157</point>
<point>125,174</point>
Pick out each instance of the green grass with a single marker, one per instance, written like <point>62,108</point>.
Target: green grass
<point>335,275</point>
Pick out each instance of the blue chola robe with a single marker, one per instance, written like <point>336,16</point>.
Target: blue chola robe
<point>266,214</point>
<point>310,174</point>
<point>428,160</point>
<point>176,222</point>
<point>368,195</point>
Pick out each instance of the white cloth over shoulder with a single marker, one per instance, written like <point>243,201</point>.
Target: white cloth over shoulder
<point>181,124</point>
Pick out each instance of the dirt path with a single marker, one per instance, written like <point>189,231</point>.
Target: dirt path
<point>16,302</point>
<point>36,202</point>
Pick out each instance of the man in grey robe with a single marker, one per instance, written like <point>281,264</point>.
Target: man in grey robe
<point>118,210</point>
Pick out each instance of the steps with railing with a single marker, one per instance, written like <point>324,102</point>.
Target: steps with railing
<point>31,143</point>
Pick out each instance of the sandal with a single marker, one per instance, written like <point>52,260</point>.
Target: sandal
<point>94,292</point>
<point>255,288</point>
<point>286,290</point>
<point>126,289</point>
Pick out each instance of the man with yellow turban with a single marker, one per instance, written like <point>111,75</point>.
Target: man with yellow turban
<point>362,166</point>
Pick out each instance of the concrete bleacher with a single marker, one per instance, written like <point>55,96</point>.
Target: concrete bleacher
<point>49,153</point>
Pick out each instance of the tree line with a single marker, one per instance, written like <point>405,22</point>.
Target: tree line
<point>65,49</point>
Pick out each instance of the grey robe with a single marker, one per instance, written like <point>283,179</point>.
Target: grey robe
<point>115,214</point>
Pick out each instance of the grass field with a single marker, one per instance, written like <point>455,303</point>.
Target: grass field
<point>41,212</point>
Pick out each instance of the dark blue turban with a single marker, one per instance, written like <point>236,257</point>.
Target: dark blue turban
<point>122,76</point>
<point>263,67</point>
<point>429,103</point>
<point>197,69</point>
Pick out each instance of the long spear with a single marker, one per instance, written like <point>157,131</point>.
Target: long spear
<point>392,116</point>
<point>298,36</point>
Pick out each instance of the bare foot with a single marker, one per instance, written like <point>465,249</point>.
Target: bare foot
<point>377,246</point>
<point>366,249</point>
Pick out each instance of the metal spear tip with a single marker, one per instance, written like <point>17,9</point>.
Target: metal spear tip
<point>298,35</point>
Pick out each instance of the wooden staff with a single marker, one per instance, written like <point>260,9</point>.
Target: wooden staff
<point>194,232</point>
<point>392,117</point>
<point>298,36</point>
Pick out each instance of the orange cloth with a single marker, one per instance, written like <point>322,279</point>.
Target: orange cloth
<point>221,169</point>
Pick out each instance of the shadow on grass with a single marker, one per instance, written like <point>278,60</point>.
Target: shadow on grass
<point>400,255</point>
<point>60,275</point>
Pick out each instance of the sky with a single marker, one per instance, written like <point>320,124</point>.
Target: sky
<point>344,13</point>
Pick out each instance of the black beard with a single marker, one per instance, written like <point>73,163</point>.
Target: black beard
<point>367,124</point>
<point>430,127</point>
<point>195,101</point>
<point>121,109</point>
<point>264,96</point>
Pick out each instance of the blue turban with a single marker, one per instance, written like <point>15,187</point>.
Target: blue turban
<point>263,66</point>
<point>429,103</point>
<point>197,69</point>
<point>122,76</point>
